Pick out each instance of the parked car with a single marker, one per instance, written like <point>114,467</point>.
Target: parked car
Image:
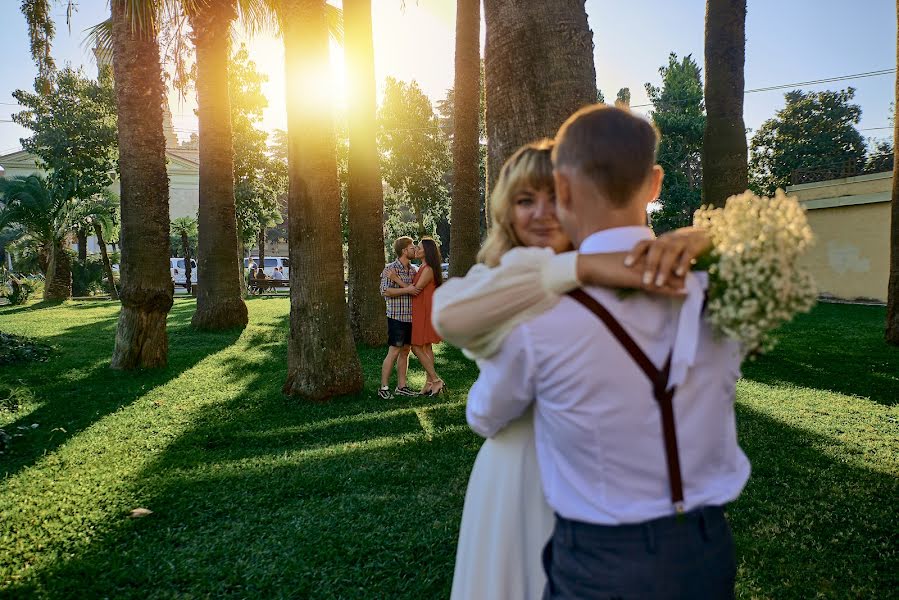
<point>176,268</point>
<point>270,263</point>
<point>444,268</point>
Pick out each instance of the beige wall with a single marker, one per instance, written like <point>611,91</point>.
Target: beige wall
<point>851,221</point>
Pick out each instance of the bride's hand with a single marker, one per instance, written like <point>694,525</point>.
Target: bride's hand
<point>609,270</point>
<point>668,256</point>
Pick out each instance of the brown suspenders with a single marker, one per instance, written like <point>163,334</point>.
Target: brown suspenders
<point>663,395</point>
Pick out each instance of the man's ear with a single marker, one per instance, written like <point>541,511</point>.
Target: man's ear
<point>563,189</point>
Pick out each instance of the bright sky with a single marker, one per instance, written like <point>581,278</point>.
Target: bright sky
<point>787,42</point>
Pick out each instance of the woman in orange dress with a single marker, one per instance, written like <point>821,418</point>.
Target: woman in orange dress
<point>427,279</point>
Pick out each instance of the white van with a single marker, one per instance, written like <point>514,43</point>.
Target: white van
<point>270,263</point>
<point>176,268</point>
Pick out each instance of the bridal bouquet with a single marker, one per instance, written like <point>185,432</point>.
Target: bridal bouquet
<point>755,281</point>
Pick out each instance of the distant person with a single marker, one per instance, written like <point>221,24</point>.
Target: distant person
<point>428,278</point>
<point>278,275</point>
<point>398,297</point>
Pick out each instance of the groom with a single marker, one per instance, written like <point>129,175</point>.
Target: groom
<point>634,397</point>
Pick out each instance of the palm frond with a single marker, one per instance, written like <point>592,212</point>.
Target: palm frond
<point>334,16</point>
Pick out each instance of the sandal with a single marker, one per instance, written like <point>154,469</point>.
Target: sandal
<point>426,390</point>
<point>438,388</point>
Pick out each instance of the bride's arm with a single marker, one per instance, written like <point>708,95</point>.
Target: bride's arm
<point>476,312</point>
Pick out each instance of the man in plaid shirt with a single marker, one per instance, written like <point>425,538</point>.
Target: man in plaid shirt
<point>399,317</point>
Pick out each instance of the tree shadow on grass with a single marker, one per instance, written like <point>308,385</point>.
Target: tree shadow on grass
<point>83,390</point>
<point>30,307</point>
<point>838,348</point>
<point>271,497</point>
<point>809,524</point>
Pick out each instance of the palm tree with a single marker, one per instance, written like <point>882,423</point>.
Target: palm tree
<point>322,361</point>
<point>465,227</point>
<point>40,34</point>
<point>47,218</point>
<point>102,215</point>
<point>146,284</point>
<point>724,151</point>
<point>535,78</point>
<point>220,303</point>
<point>892,325</point>
<point>185,227</point>
<point>365,195</point>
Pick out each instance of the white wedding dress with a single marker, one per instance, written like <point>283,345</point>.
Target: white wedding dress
<point>506,521</point>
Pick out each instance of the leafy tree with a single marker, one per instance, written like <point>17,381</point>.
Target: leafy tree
<point>880,157</point>
<point>813,130</point>
<point>414,154</point>
<point>260,181</point>
<point>74,133</point>
<point>600,99</point>
<point>623,98</point>
<point>678,113</point>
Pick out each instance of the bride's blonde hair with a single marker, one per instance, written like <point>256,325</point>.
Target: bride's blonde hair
<point>529,167</point>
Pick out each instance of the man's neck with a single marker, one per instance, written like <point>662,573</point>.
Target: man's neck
<point>405,261</point>
<point>612,220</point>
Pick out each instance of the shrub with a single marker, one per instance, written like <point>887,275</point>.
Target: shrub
<point>89,278</point>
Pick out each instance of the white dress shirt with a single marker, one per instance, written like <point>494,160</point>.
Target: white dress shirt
<point>598,427</point>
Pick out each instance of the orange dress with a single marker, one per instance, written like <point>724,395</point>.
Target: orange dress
<point>422,330</point>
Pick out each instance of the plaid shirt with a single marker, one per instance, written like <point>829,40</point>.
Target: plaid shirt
<point>398,307</point>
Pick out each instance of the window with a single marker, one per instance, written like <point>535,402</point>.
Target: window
<point>271,262</point>
<point>180,263</point>
<point>285,262</point>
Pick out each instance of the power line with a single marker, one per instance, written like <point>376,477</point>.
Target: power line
<point>784,86</point>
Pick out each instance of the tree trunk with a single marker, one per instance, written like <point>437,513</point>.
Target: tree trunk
<point>58,282</point>
<point>261,243</point>
<point>146,284</point>
<point>107,266</point>
<point>892,325</point>
<point>465,224</point>
<point>81,234</point>
<point>220,302</point>
<point>365,195</point>
<point>539,69</point>
<point>321,360</point>
<point>188,271</point>
<point>724,152</point>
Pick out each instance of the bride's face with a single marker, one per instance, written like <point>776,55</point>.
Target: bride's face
<point>534,219</point>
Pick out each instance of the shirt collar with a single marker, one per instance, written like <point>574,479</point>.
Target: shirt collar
<point>616,239</point>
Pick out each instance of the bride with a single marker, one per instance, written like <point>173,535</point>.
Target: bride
<point>526,266</point>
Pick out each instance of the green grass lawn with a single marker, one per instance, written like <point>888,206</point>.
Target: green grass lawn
<point>255,495</point>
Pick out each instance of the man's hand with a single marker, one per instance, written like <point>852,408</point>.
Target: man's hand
<point>412,290</point>
<point>669,255</point>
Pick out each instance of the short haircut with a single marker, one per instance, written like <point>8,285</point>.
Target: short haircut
<point>401,244</point>
<point>611,146</point>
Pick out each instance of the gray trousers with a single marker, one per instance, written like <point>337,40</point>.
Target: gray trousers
<point>667,558</point>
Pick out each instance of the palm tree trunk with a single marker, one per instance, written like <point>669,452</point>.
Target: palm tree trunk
<point>321,360</point>
<point>58,283</point>
<point>261,242</point>
<point>465,226</point>
<point>146,285</point>
<point>539,69</point>
<point>724,151</point>
<point>892,325</point>
<point>188,271</point>
<point>365,195</point>
<point>107,266</point>
<point>81,234</point>
<point>220,302</point>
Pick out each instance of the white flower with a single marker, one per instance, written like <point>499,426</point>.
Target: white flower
<point>755,281</point>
